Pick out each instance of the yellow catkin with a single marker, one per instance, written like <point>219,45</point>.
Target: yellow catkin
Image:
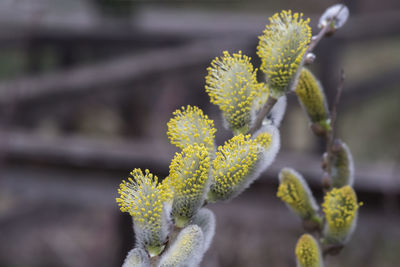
<point>294,191</point>
<point>312,97</point>
<point>235,164</point>
<point>260,100</point>
<point>232,85</point>
<point>191,126</point>
<point>308,252</point>
<point>340,207</point>
<point>143,197</point>
<point>281,49</point>
<point>188,176</point>
<point>264,140</point>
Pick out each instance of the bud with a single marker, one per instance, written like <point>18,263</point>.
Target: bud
<point>190,126</point>
<point>137,257</point>
<point>335,17</point>
<point>294,191</point>
<point>187,250</point>
<point>232,85</point>
<point>205,219</point>
<point>147,201</point>
<point>312,98</point>
<point>236,165</point>
<point>309,58</point>
<point>341,209</point>
<point>342,171</point>
<point>188,176</point>
<point>281,49</point>
<point>308,253</point>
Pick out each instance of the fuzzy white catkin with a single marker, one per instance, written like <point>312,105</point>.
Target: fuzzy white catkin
<point>189,178</point>
<point>270,153</point>
<point>187,250</point>
<point>343,167</point>
<point>241,161</point>
<point>146,200</point>
<point>339,13</point>
<point>295,192</point>
<point>137,257</point>
<point>205,219</point>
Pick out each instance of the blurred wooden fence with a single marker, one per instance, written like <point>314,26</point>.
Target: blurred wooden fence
<point>163,44</point>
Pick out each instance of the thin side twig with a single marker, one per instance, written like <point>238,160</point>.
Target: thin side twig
<point>337,99</point>
<point>330,137</point>
<point>316,39</point>
<point>332,250</point>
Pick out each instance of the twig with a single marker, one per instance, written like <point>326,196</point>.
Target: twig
<point>316,39</point>
<point>332,250</point>
<point>337,99</point>
<point>269,104</point>
<point>331,135</point>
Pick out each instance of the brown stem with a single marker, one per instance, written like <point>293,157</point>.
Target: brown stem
<point>316,39</point>
<point>154,261</point>
<point>332,250</point>
<point>330,137</point>
<point>331,147</point>
<point>269,104</point>
<point>337,99</point>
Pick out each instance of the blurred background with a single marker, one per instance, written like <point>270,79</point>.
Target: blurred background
<point>86,90</point>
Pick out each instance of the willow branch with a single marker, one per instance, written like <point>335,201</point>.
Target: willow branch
<point>316,39</point>
<point>330,137</point>
<point>332,250</point>
<point>336,103</point>
<point>269,104</point>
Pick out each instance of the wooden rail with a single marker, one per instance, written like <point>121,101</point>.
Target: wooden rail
<point>124,155</point>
